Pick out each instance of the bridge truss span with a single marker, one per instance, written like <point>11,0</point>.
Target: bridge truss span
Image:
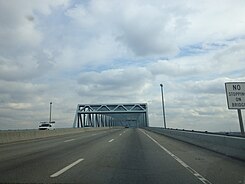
<point>104,115</point>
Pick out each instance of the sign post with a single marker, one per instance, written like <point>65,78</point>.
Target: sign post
<point>240,121</point>
<point>235,94</point>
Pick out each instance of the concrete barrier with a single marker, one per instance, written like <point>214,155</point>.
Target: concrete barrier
<point>20,135</point>
<point>227,145</point>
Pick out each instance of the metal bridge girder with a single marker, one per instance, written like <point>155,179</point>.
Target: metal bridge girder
<point>111,115</point>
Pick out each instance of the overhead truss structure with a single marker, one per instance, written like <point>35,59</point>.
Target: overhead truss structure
<point>103,115</point>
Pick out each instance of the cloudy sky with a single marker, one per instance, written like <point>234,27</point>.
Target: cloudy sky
<point>113,51</point>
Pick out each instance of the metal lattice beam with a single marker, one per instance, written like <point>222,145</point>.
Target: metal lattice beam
<point>99,115</point>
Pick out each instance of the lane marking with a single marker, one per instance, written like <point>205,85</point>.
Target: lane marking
<point>120,134</point>
<point>66,168</point>
<point>69,140</point>
<point>111,140</point>
<point>191,170</point>
<point>94,134</point>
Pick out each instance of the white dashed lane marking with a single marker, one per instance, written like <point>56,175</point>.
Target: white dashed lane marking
<point>111,140</point>
<point>69,140</point>
<point>66,168</point>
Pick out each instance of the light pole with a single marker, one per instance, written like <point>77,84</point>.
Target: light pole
<point>163,108</point>
<point>50,109</point>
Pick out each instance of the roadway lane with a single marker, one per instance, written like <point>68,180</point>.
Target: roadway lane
<point>113,156</point>
<point>33,161</point>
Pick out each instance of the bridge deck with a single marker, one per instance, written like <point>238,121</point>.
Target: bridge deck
<point>115,156</point>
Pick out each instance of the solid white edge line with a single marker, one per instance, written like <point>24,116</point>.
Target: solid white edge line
<point>191,170</point>
<point>69,140</point>
<point>66,168</point>
<point>111,140</point>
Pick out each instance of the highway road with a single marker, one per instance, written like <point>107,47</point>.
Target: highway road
<point>125,155</point>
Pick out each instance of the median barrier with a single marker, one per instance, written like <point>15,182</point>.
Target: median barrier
<point>7,136</point>
<point>227,145</point>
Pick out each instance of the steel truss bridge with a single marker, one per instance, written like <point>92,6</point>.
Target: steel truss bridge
<point>106,115</point>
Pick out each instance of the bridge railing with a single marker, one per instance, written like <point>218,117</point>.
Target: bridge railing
<point>228,145</point>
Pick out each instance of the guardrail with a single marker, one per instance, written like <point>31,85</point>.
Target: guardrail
<point>228,145</point>
<point>7,136</point>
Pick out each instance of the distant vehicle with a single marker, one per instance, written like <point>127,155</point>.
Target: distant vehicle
<point>126,126</point>
<point>46,126</point>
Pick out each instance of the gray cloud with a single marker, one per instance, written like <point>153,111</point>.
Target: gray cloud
<point>173,68</point>
<point>119,83</point>
<point>26,66</point>
<point>106,52</point>
<point>143,28</point>
<point>21,91</point>
<point>213,86</point>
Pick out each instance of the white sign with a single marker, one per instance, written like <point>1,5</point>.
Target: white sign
<point>235,93</point>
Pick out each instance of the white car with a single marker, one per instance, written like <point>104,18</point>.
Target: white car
<point>46,126</point>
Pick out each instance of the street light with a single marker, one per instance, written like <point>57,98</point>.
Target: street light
<point>50,109</point>
<point>163,108</point>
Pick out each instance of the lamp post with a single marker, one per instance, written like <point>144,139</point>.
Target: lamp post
<point>50,109</point>
<point>163,108</point>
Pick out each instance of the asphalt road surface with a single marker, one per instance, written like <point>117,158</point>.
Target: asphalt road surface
<point>115,156</point>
